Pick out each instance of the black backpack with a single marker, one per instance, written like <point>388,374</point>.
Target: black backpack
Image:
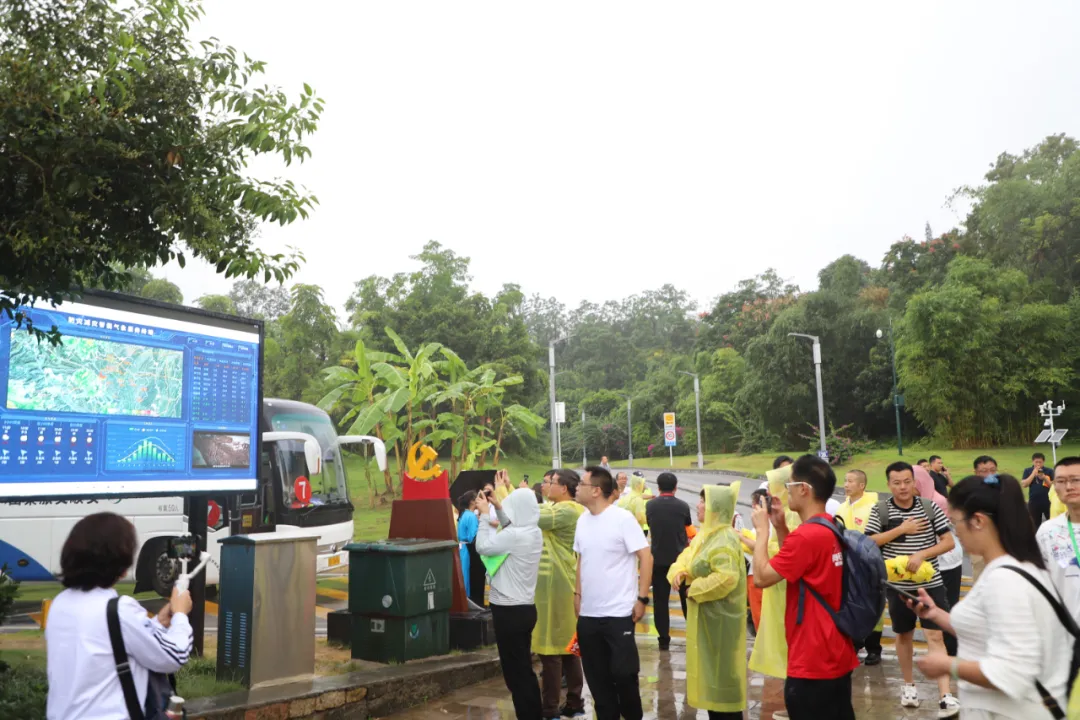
<point>1066,619</point>
<point>863,587</point>
<point>161,686</point>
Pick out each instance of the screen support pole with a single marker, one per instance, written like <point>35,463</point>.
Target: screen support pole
<point>197,509</point>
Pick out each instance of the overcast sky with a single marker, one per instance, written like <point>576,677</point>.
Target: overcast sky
<point>589,149</point>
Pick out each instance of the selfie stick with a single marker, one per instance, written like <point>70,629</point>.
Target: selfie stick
<point>184,580</point>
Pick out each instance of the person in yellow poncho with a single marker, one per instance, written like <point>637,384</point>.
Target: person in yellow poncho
<point>556,622</point>
<point>855,511</point>
<point>1057,507</point>
<point>769,656</point>
<point>713,567</point>
<point>633,500</point>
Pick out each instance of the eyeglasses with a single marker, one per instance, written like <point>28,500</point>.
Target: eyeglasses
<point>583,484</point>
<point>797,482</point>
<point>1067,481</point>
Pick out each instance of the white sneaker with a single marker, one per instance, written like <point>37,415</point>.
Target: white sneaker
<point>948,707</point>
<point>909,697</point>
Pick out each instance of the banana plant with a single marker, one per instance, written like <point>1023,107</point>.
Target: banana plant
<point>516,420</point>
<point>356,389</point>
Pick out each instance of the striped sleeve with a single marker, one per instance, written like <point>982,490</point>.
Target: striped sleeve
<point>152,645</point>
<point>938,521</point>
<point>873,523</point>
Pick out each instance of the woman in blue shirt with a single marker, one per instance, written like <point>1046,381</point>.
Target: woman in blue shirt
<point>467,527</point>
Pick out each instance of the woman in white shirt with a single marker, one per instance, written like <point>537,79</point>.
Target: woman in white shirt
<point>1009,637</point>
<point>83,680</point>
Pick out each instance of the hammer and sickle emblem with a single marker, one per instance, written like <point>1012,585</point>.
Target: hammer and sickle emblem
<point>418,466</point>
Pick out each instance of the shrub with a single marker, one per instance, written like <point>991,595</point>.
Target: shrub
<point>24,690</point>
<point>840,446</point>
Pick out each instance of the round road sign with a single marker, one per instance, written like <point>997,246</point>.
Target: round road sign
<point>669,435</point>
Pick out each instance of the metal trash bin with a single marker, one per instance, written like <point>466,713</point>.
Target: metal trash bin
<point>266,608</point>
<point>400,594</point>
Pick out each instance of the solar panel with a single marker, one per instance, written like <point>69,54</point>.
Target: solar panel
<point>1056,437</point>
<point>1043,436</point>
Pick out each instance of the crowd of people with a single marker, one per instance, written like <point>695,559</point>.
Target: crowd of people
<point>577,562</point>
<point>596,544</point>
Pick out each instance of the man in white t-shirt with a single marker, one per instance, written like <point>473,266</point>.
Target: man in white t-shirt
<point>1057,537</point>
<point>613,577</point>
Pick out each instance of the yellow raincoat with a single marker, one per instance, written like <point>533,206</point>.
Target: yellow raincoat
<point>855,517</point>
<point>502,492</point>
<point>633,500</point>
<point>769,656</point>
<point>557,580</point>
<point>716,611</point>
<point>1057,507</point>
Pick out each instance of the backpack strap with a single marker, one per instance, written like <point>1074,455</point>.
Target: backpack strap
<point>883,514</point>
<point>120,657</point>
<point>1049,702</point>
<point>803,587</point>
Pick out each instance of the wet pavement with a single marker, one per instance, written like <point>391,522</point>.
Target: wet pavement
<point>875,691</point>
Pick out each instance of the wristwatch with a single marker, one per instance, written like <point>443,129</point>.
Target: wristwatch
<point>643,600</point>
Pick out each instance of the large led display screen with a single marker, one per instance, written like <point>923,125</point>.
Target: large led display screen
<point>136,400</point>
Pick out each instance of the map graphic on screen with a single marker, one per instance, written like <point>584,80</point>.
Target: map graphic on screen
<point>92,376</point>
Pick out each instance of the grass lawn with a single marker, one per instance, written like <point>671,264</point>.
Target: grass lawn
<point>1010,460</point>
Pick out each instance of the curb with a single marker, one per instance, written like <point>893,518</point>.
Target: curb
<point>362,694</point>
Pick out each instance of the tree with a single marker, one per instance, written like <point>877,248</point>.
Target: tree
<point>162,291</point>
<point>217,303</point>
<point>254,299</point>
<point>978,354</point>
<point>306,338</point>
<point>355,390</point>
<point>125,146</point>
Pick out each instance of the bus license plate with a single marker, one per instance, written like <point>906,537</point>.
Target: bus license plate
<point>333,561</point>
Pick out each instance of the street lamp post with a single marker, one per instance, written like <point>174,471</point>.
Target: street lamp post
<point>584,460</point>
<point>823,452</point>
<point>895,388</point>
<point>697,412</point>
<point>629,428</point>
<point>556,460</point>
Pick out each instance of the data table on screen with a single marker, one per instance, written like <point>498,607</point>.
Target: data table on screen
<point>221,389</point>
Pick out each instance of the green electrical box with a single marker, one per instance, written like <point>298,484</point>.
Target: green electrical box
<point>390,639</point>
<point>400,578</point>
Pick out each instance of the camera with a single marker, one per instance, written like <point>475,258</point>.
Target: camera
<point>183,547</point>
<point>526,478</point>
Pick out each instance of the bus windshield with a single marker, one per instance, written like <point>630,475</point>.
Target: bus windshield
<point>329,487</point>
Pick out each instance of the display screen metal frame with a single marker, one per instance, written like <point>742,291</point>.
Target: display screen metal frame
<point>189,484</point>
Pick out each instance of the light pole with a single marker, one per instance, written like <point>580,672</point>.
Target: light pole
<point>895,389</point>
<point>823,452</point>
<point>556,460</point>
<point>629,429</point>
<point>584,461</point>
<point>697,411</point>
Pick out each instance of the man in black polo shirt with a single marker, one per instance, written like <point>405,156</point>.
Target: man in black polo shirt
<point>667,518</point>
<point>1038,479</point>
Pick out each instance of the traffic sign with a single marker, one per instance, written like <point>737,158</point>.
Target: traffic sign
<point>560,412</point>
<point>823,454</point>
<point>669,429</point>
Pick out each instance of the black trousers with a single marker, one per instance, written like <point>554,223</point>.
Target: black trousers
<point>609,658</point>
<point>725,715</point>
<point>477,575</point>
<point>872,643</point>
<point>1040,512</point>
<point>661,589</point>
<point>819,699</point>
<point>513,636</point>
<point>952,579</point>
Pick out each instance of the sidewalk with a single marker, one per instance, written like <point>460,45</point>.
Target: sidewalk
<point>876,693</point>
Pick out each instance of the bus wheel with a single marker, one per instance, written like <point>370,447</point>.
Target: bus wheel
<point>157,571</point>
